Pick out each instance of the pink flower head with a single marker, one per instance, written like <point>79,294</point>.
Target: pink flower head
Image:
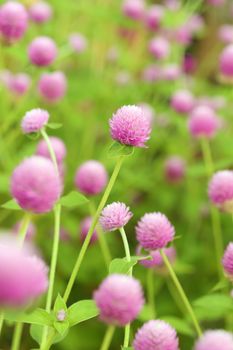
<point>123,78</point>
<point>31,231</point>
<point>85,226</point>
<point>52,86</point>
<point>13,20</point>
<point>154,16</point>
<point>182,101</point>
<point>148,112</point>
<point>189,64</point>
<point>157,260</point>
<point>134,9</point>
<point>114,216</point>
<point>19,83</point>
<point>226,61</point>
<point>119,299</point>
<point>78,42</point>
<point>35,185</point>
<point>227,260</point>
<point>203,122</point>
<point>40,12</point>
<point>152,73</point>
<point>57,145</point>
<point>174,169</point>
<point>215,340</point>
<point>42,51</point>
<point>159,47</point>
<point>23,276</point>
<point>154,231</point>
<point>156,335</point>
<point>171,72</point>
<point>129,126</point>
<point>220,190</point>
<point>91,178</point>
<point>5,78</point>
<point>225,33</point>
<point>183,35</point>
<point>34,120</point>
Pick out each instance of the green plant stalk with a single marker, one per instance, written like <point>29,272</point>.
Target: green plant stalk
<point>24,228</point>
<point>1,321</point>
<point>101,238</point>
<point>91,230</point>
<point>50,148</point>
<point>17,336</point>
<point>151,291</point>
<point>181,293</point>
<point>107,338</point>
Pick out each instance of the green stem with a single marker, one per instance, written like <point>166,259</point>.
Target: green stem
<point>101,238</point>
<point>57,216</point>
<point>24,228</point>
<point>91,230</point>
<point>107,338</point>
<point>17,336</point>
<point>50,148</point>
<point>1,321</point>
<point>151,291</point>
<point>181,293</point>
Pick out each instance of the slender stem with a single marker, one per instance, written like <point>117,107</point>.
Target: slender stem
<point>50,148</point>
<point>1,321</point>
<point>24,228</point>
<point>181,293</point>
<point>57,216</point>
<point>91,230</point>
<point>107,338</point>
<point>102,240</point>
<point>207,156</point>
<point>127,335</point>
<point>17,336</point>
<point>151,291</point>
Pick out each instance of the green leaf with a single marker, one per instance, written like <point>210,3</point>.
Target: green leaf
<point>180,325</point>
<point>146,314</point>
<point>61,327</point>
<point>11,205</point>
<point>36,332</point>
<point>223,284</point>
<point>124,348</point>
<point>121,265</point>
<point>73,199</point>
<point>117,149</point>
<point>81,311</point>
<point>59,304</point>
<point>213,307</point>
<point>33,135</point>
<point>54,125</point>
<point>38,316</point>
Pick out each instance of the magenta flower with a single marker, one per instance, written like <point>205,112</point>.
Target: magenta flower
<point>225,33</point>
<point>13,20</point>
<point>19,83</point>
<point>154,231</point>
<point>42,51</point>
<point>154,16</point>
<point>129,126</point>
<point>182,101</point>
<point>85,226</point>
<point>119,299</point>
<point>171,72</point>
<point>226,61</point>
<point>34,120</point>
<point>31,231</point>
<point>157,260</point>
<point>58,147</point>
<point>133,9</point>
<point>203,122</point>
<point>40,12</point>
<point>23,276</point>
<point>174,169</point>
<point>91,178</point>
<point>35,185</point>
<point>78,42</point>
<point>215,340</point>
<point>152,73</point>
<point>156,335</point>
<point>114,216</point>
<point>227,261</point>
<point>220,190</point>
<point>159,47</point>
<point>52,86</point>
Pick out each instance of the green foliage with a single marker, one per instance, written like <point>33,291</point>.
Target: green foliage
<point>81,311</point>
<point>73,200</point>
<point>11,205</point>
<point>117,149</point>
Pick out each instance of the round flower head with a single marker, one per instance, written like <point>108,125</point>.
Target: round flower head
<point>152,73</point>
<point>226,61</point>
<point>203,122</point>
<point>85,226</point>
<point>78,42</point>
<point>133,9</point>
<point>123,78</point>
<point>220,190</point>
<point>183,35</point>
<point>5,78</point>
<point>129,126</point>
<point>57,145</point>
<point>171,72</point>
<point>40,12</point>
<point>42,51</point>
<point>156,335</point>
<point>159,48</point>
<point>182,101</point>
<point>34,120</point>
<point>215,340</point>
<point>119,299</point>
<point>19,83</point>
<point>174,169</point>
<point>52,86</point>
<point>189,64</point>
<point>154,16</point>
<point>227,261</point>
<point>23,276</point>
<point>91,178</point>
<point>154,231</point>
<point>226,33</point>
<point>35,185</point>
<point>115,216</point>
<point>31,231</point>
<point>13,20</point>
<point>157,260</point>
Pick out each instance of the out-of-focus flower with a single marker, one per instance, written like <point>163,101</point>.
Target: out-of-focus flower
<point>157,260</point>
<point>52,86</point>
<point>153,16</point>
<point>19,83</point>
<point>226,61</point>
<point>227,261</point>
<point>182,101</point>
<point>40,12</point>
<point>133,9</point>
<point>215,340</point>
<point>42,51</point>
<point>174,169</point>
<point>203,122</point>
<point>78,42</point>
<point>31,231</point>
<point>225,33</point>
<point>159,47</point>
<point>84,228</point>
<point>58,147</point>
<point>220,190</point>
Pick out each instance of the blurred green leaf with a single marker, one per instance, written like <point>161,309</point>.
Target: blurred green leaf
<point>11,205</point>
<point>223,284</point>
<point>73,199</point>
<point>54,125</point>
<point>36,332</point>
<point>213,307</point>
<point>117,149</point>
<point>61,327</point>
<point>180,325</point>
<point>38,316</point>
<point>81,311</point>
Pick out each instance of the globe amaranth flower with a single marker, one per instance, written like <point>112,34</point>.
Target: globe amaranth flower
<point>119,299</point>
<point>220,190</point>
<point>129,126</point>
<point>203,122</point>
<point>34,120</point>
<point>91,177</point>
<point>182,101</point>
<point>133,9</point>
<point>215,340</point>
<point>85,227</point>
<point>52,86</point>
<point>58,147</point>
<point>31,230</point>
<point>115,216</point>
<point>40,12</point>
<point>157,260</point>
<point>153,17</point>
<point>154,231</point>
<point>227,261</point>
<point>42,51</point>
<point>226,61</point>
<point>19,84</point>
<point>13,21</point>
<point>174,169</point>
<point>159,47</point>
<point>23,275</point>
<point>78,42</point>
<point>156,335</point>
<point>171,72</point>
<point>35,185</point>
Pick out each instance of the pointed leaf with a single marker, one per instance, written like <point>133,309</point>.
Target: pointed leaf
<point>73,199</point>
<point>213,307</point>
<point>11,205</point>
<point>117,149</point>
<point>54,125</point>
<point>38,316</point>
<point>81,311</point>
<point>223,284</point>
<point>121,265</point>
<point>61,327</point>
<point>36,332</point>
<point>59,304</point>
